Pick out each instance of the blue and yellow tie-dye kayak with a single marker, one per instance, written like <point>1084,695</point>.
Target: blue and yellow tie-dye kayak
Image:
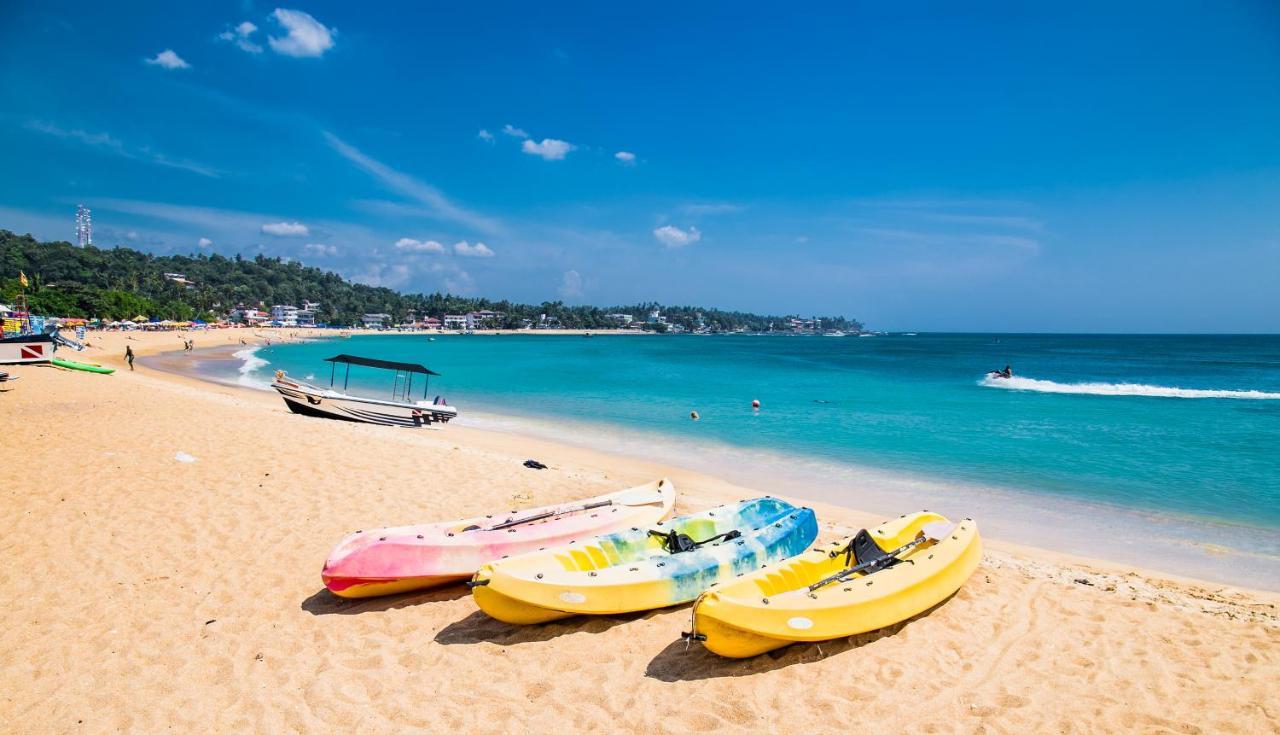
<point>644,568</point>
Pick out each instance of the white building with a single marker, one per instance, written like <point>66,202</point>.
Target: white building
<point>484,319</point>
<point>179,278</point>
<point>623,319</point>
<point>285,314</point>
<point>245,315</point>
<point>375,321</point>
<point>455,321</point>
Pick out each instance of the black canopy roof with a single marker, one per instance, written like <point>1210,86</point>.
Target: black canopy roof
<point>408,367</point>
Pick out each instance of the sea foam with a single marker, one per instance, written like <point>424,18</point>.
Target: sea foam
<point>249,367</point>
<point>1122,389</point>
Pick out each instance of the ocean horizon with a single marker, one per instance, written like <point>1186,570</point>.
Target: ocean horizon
<point>1152,450</point>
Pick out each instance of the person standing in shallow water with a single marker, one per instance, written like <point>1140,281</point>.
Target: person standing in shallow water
<point>128,355</point>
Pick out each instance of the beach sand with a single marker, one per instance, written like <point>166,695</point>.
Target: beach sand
<point>146,593</point>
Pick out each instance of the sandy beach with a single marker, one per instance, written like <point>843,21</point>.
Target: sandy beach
<point>163,539</point>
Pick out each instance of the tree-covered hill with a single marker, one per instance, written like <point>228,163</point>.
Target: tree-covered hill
<point>119,283</point>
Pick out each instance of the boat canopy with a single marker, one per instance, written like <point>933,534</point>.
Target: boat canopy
<point>408,367</point>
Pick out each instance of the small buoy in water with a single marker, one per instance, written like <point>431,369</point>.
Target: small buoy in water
<point>755,403</point>
<point>693,415</point>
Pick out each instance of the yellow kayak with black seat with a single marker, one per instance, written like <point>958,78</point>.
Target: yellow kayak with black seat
<point>870,581</point>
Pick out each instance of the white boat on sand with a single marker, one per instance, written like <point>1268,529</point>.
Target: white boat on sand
<point>399,410</point>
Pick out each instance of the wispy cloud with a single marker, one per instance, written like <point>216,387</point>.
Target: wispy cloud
<point>674,237</point>
<point>1013,222</point>
<point>319,248</point>
<point>203,243</point>
<point>242,36</point>
<point>306,37</point>
<point>467,250</point>
<point>513,131</point>
<point>706,208</point>
<point>951,239</point>
<point>286,229</point>
<point>485,135</point>
<point>627,158</point>
<point>419,246</point>
<point>107,142</point>
<point>549,149</point>
<point>167,59</point>
<point>439,205</point>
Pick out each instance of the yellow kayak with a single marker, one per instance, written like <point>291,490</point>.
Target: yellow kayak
<point>848,587</point>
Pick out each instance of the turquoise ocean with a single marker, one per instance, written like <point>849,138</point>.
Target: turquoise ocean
<point>1160,451</point>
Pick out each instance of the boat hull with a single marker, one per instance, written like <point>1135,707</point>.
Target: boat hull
<point>33,348</point>
<point>632,570</point>
<point>309,400</point>
<point>392,560</point>
<point>773,608</point>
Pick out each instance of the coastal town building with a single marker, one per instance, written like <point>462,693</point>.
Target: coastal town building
<point>376,321</point>
<point>455,321</point>
<point>623,319</point>
<point>484,319</point>
<point>247,315</point>
<point>179,278</point>
<point>285,315</point>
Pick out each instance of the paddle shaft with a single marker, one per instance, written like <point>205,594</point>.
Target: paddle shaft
<point>846,573</point>
<point>548,514</point>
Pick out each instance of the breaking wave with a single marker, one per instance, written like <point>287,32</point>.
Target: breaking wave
<point>1122,389</point>
<point>251,364</point>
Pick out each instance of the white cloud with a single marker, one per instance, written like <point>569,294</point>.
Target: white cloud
<point>479,250</point>
<point>550,148</point>
<point>571,285</point>
<point>674,237</point>
<point>437,202</point>
<point>307,37</point>
<point>242,36</point>
<point>203,243</point>
<point>286,229</point>
<point>513,131</point>
<point>107,142</point>
<point>169,60</point>
<point>485,135</point>
<point>419,246</point>
<point>319,248</point>
<point>626,157</point>
<point>133,235</point>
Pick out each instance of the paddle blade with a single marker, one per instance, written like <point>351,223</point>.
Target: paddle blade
<point>938,530</point>
<point>639,496</point>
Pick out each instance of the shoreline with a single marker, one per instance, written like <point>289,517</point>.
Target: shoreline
<point>811,494</point>
<point>172,546</point>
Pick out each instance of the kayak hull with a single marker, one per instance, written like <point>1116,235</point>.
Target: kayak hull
<point>86,367</point>
<point>774,608</point>
<point>633,570</point>
<point>388,561</point>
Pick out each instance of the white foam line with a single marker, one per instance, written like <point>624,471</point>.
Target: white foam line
<point>1122,389</point>
<point>252,363</point>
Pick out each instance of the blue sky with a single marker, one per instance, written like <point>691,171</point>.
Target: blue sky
<point>990,166</point>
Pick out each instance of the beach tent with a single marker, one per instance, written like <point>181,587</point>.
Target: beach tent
<point>138,318</point>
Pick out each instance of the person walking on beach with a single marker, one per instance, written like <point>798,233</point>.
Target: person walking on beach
<point>128,356</point>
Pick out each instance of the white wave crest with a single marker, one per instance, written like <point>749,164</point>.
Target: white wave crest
<point>1122,389</point>
<point>249,367</point>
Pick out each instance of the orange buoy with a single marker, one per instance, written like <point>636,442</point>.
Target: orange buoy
<point>755,403</point>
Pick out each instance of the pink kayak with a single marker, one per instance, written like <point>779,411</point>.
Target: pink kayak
<point>385,561</point>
